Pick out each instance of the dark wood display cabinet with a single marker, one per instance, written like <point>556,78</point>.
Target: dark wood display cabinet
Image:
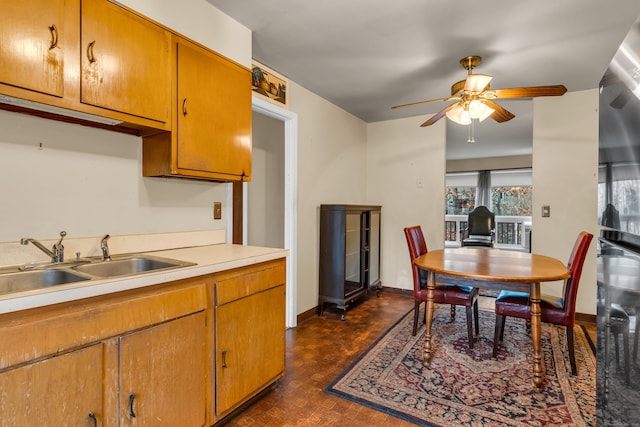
<point>349,254</point>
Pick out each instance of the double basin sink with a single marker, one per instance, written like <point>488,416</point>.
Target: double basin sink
<point>13,279</point>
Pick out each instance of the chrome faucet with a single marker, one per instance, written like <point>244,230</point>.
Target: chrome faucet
<point>105,248</point>
<point>56,253</point>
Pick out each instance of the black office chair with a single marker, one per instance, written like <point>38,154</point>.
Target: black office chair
<point>480,231</point>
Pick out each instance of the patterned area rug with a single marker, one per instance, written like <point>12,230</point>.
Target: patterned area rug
<point>469,387</point>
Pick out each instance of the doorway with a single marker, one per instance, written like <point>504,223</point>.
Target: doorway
<point>288,199</point>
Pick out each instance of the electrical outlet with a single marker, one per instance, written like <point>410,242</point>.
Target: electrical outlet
<point>217,210</point>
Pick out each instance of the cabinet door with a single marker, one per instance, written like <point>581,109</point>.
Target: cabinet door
<point>59,391</point>
<point>125,62</point>
<point>162,372</point>
<point>31,45</point>
<point>353,251</point>
<point>374,249</point>
<point>250,346</point>
<point>214,113</point>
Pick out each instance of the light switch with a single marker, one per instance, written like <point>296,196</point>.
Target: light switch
<point>217,210</point>
<point>546,211</point>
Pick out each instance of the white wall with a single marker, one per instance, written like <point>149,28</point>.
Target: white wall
<point>89,182</point>
<point>332,154</point>
<point>265,193</point>
<point>565,166</point>
<point>406,175</point>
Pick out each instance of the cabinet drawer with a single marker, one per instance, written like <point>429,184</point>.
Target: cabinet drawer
<point>36,333</point>
<point>241,282</point>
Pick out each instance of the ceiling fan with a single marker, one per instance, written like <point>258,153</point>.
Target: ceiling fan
<point>475,97</point>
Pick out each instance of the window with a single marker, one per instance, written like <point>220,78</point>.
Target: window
<point>460,193</point>
<point>511,197</point>
<point>511,192</point>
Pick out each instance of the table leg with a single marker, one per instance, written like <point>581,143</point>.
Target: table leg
<point>427,349</point>
<point>536,331</point>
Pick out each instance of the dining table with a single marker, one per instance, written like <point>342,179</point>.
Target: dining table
<point>491,268</point>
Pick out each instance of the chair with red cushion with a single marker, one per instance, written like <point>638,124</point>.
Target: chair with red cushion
<point>555,310</point>
<point>466,296</point>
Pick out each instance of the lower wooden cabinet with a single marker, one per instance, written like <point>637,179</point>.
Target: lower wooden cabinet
<point>78,363</point>
<point>249,333</point>
<point>162,370</point>
<point>58,391</point>
<point>185,353</point>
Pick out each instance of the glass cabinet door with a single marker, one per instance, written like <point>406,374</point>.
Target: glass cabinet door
<point>374,249</point>
<point>352,249</point>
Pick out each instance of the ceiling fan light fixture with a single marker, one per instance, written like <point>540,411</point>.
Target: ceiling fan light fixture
<point>459,115</point>
<point>476,82</point>
<point>479,110</point>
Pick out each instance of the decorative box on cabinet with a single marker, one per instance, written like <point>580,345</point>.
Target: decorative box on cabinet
<point>349,253</point>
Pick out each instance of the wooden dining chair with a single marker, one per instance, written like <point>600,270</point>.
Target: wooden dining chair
<point>558,311</point>
<point>466,296</point>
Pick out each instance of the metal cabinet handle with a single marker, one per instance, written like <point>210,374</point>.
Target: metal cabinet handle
<point>54,36</point>
<point>132,413</point>
<point>224,358</point>
<point>184,106</point>
<point>90,55</point>
<point>94,419</point>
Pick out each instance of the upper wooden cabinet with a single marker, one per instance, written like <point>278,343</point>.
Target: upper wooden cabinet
<point>212,120</point>
<point>192,106</point>
<point>65,57</point>
<point>32,43</point>
<point>125,62</point>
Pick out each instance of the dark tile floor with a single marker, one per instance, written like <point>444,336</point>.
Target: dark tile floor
<point>318,350</point>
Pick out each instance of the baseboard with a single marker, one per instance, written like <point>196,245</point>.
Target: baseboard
<point>306,315</point>
<point>313,312</point>
<point>397,291</point>
<point>586,318</point>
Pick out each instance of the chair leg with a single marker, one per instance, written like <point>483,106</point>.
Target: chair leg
<point>470,327</point>
<point>572,354</point>
<point>453,312</point>
<point>416,313</point>
<point>636,332</point>
<point>476,317</point>
<point>627,366</point>
<point>497,335</point>
<point>617,347</point>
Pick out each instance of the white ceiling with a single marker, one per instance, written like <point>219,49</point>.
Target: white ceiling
<point>366,55</point>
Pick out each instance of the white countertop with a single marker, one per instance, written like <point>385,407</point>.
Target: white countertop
<point>208,259</point>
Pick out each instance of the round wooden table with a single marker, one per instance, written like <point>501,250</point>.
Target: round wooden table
<point>490,268</point>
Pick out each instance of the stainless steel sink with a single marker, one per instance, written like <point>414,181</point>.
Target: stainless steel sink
<point>38,276</point>
<point>28,280</point>
<point>128,266</point>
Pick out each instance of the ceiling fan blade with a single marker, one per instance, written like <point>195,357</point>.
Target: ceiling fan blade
<point>449,98</point>
<point>440,114</point>
<point>528,92</point>
<point>500,114</point>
